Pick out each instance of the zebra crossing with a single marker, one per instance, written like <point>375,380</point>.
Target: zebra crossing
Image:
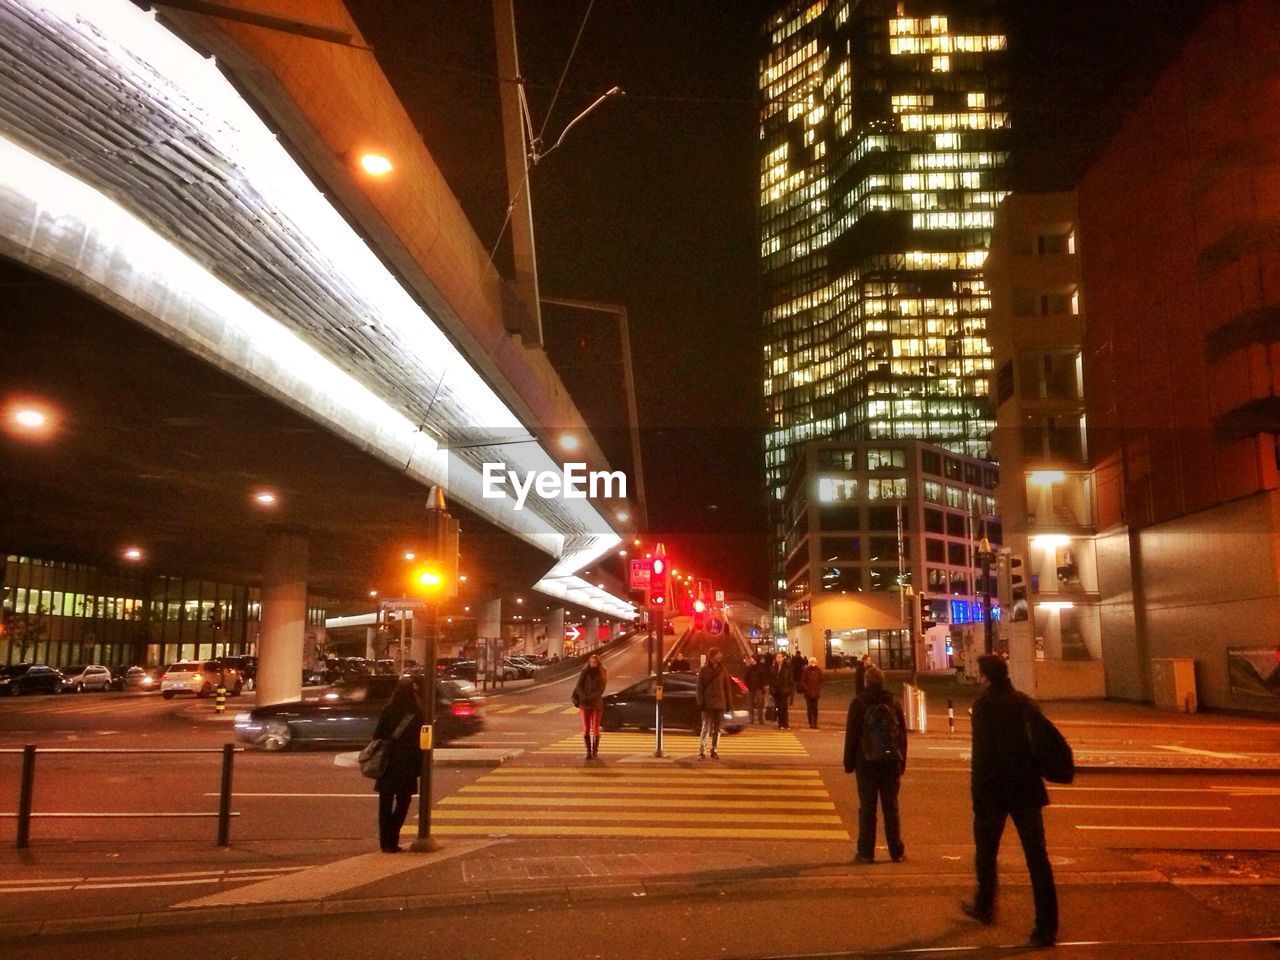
<point>681,744</point>
<point>701,802</point>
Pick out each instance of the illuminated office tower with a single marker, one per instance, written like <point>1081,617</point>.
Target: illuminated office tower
<point>883,145</point>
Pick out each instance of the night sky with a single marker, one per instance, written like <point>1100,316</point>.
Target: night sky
<point>650,201</point>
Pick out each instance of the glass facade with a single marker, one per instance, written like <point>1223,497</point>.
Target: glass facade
<point>62,613</point>
<point>883,144</point>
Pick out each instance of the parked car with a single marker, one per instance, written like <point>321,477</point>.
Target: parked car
<point>200,678</point>
<point>526,667</point>
<point>135,678</point>
<point>86,676</point>
<point>22,678</point>
<point>633,706</point>
<point>348,713</point>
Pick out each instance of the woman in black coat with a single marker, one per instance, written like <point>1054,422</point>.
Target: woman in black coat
<point>399,723</point>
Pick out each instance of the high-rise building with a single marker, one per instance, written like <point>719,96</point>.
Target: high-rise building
<point>883,148</point>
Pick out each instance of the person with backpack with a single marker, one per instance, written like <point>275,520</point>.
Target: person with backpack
<point>875,752</point>
<point>1006,782</point>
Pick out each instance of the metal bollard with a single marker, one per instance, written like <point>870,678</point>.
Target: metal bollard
<point>24,795</point>
<point>224,796</point>
<point>220,700</point>
<point>951,717</point>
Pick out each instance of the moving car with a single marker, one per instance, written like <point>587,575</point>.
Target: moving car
<point>200,678</point>
<point>348,713</point>
<point>633,706</point>
<point>135,678</point>
<point>86,676</point>
<point>22,678</point>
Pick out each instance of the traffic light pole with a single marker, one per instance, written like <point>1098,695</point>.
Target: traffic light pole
<point>659,627</point>
<point>984,558</point>
<point>425,843</point>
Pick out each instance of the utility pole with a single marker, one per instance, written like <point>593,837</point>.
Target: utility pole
<point>525,317</point>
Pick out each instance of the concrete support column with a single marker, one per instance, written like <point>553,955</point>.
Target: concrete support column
<point>593,632</point>
<point>370,643</point>
<point>284,617</point>
<point>555,632</point>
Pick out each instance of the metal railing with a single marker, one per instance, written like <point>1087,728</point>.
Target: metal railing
<point>26,790</point>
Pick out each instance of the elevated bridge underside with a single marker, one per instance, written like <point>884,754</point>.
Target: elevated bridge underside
<point>268,340</point>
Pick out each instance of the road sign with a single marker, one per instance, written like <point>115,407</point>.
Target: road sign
<point>715,626</point>
<point>719,596</point>
<point>402,603</point>
<point>641,574</point>
<point>572,633</point>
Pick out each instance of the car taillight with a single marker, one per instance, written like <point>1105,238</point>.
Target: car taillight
<point>462,709</point>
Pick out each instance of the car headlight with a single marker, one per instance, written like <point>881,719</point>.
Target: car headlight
<point>243,720</point>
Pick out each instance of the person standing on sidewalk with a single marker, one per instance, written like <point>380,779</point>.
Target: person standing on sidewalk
<point>1006,784</point>
<point>781,687</point>
<point>860,673</point>
<point>798,663</point>
<point>757,680</point>
<point>714,696</point>
<point>875,752</point>
<point>399,723</point>
<point>588,697</point>
<point>811,687</point>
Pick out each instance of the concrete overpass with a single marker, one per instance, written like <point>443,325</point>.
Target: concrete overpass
<point>198,176</point>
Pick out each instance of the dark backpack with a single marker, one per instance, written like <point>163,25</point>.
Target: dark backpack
<point>880,733</point>
<point>1050,748</point>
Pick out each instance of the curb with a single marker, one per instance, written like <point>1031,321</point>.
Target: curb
<point>447,756</point>
<point>662,888</point>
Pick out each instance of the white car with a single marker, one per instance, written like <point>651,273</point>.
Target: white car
<point>82,677</point>
<point>201,678</point>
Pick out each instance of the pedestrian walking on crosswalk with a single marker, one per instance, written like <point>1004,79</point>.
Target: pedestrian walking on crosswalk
<point>811,687</point>
<point>588,697</point>
<point>714,695</point>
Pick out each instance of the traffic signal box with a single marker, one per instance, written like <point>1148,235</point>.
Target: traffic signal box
<point>659,594</point>
<point>1011,587</point>
<point>437,576</point>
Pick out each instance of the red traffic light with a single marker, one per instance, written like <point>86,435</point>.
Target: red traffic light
<point>699,606</point>
<point>659,566</point>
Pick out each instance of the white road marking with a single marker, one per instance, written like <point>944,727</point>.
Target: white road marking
<point>1199,828</point>
<point>1123,806</point>
<point>1199,753</point>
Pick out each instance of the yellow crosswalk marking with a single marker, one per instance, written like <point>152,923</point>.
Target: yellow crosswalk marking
<point>546,708</point>
<point>707,832</point>
<point>710,803</point>
<point>631,789</point>
<point>645,816</point>
<point>611,803</point>
<point>739,745</point>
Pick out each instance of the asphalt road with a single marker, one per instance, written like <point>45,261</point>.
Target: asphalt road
<point>747,857</point>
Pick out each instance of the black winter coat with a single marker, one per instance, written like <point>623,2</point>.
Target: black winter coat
<point>1005,775</point>
<point>853,727</point>
<point>404,758</point>
<point>780,680</point>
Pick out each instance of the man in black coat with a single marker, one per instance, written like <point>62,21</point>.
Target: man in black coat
<point>1006,784</point>
<point>875,751</point>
